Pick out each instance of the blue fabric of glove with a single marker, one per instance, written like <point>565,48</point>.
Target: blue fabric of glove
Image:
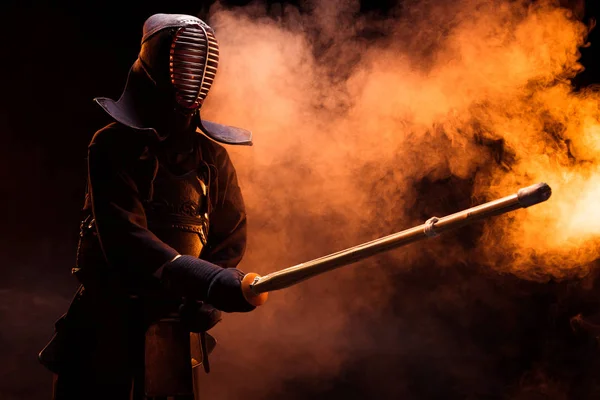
<point>194,278</point>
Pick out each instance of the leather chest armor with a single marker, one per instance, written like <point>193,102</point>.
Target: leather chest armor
<point>177,211</point>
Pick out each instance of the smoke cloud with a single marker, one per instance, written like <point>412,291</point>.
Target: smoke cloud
<point>355,118</point>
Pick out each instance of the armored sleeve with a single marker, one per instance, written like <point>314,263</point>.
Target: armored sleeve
<point>125,239</point>
<point>227,234</point>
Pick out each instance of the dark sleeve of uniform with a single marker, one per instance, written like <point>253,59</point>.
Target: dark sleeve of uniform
<point>121,223</point>
<point>227,232</point>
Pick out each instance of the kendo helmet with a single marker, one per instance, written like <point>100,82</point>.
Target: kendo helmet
<point>178,62</point>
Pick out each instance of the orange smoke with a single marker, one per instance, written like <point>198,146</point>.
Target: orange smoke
<point>345,121</point>
<point>497,70</point>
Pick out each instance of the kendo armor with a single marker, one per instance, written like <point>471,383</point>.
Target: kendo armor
<point>178,210</point>
<point>176,68</point>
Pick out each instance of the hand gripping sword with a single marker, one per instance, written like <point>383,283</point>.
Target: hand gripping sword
<point>255,287</point>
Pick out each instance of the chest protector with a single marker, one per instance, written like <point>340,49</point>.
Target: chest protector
<point>177,211</point>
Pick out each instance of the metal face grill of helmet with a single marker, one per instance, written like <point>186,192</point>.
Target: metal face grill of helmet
<point>194,57</point>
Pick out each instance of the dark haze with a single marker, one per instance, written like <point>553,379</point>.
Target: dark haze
<point>429,321</point>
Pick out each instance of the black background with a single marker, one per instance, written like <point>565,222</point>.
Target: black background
<point>55,59</point>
